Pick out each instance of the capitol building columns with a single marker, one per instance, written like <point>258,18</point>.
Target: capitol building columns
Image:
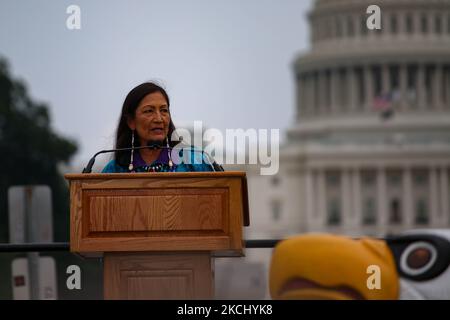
<point>447,87</point>
<point>437,87</point>
<point>309,205</point>
<point>374,198</point>
<point>403,87</point>
<point>321,200</point>
<point>381,201</point>
<point>346,198</point>
<point>407,198</point>
<point>334,91</point>
<point>385,80</point>
<point>356,198</point>
<point>420,87</point>
<point>368,87</point>
<point>352,86</point>
<point>337,90</point>
<point>444,186</point>
<point>434,197</point>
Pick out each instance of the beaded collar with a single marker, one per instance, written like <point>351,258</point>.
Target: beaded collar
<point>159,168</point>
<point>162,164</point>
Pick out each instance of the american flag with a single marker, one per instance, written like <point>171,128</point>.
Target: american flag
<point>383,102</point>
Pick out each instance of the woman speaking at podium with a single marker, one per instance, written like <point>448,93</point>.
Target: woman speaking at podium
<point>146,121</point>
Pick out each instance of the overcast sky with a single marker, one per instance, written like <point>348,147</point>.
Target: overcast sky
<point>227,63</point>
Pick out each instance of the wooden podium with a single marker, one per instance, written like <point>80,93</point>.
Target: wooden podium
<point>158,232</point>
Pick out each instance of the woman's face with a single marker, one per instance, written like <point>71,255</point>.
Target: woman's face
<point>151,119</point>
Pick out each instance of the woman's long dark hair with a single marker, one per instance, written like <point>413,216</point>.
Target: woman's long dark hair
<point>123,135</point>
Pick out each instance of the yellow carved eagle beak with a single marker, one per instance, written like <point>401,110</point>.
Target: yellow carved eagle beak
<point>324,266</point>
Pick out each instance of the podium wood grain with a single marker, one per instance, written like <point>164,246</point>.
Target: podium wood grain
<point>158,230</point>
<point>158,276</point>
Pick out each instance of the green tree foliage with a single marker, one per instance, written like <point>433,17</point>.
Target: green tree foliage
<point>30,152</point>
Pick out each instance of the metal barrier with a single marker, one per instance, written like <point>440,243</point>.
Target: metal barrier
<point>65,246</point>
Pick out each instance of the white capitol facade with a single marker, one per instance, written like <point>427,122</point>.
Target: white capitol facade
<point>344,168</point>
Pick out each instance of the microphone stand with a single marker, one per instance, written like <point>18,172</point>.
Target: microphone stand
<point>151,145</point>
<point>88,168</point>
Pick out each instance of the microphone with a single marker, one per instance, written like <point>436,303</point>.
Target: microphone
<point>88,168</point>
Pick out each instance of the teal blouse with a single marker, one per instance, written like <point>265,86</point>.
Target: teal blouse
<point>162,163</point>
